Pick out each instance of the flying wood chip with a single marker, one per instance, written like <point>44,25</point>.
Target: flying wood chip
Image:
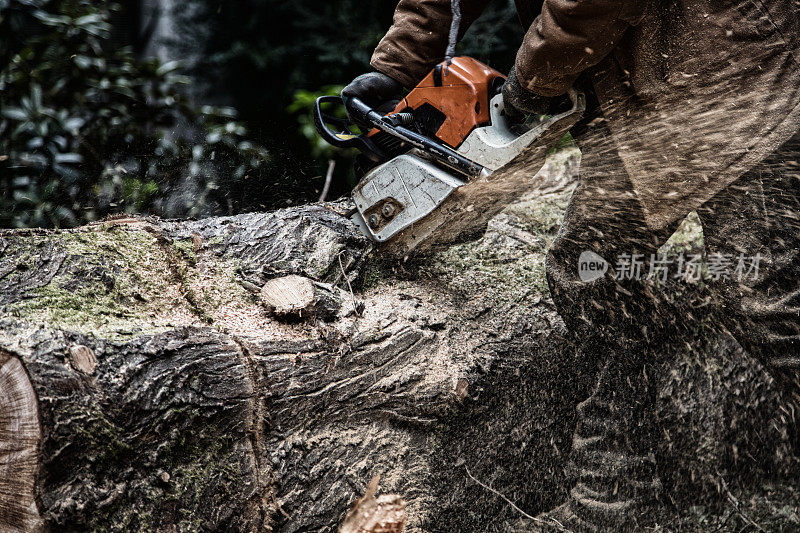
<point>385,514</point>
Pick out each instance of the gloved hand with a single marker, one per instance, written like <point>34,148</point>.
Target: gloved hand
<point>519,101</point>
<point>375,89</point>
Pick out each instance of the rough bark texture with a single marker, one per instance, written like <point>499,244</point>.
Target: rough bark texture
<point>170,400</point>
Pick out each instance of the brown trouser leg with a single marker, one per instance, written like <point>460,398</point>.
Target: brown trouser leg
<point>611,455</point>
<point>759,215</point>
<point>624,321</point>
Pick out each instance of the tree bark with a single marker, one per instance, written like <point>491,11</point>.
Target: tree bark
<point>144,386</point>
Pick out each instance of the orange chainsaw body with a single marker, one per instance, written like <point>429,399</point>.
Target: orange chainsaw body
<point>460,92</point>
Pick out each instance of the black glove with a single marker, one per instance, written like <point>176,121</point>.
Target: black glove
<point>519,101</point>
<point>375,89</point>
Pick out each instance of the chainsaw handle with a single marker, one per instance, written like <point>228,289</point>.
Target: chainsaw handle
<point>433,148</point>
<point>361,113</point>
<point>344,138</point>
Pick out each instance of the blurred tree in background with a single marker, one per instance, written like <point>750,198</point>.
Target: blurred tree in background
<point>87,129</point>
<point>90,125</point>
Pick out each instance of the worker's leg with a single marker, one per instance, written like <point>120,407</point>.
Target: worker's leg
<point>617,319</point>
<point>605,218</point>
<point>755,224</point>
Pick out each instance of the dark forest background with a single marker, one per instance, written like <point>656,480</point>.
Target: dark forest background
<point>181,109</point>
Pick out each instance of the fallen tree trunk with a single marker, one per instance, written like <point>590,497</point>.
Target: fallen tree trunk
<point>145,385</point>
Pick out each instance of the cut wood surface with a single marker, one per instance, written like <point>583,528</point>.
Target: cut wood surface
<point>82,359</point>
<point>19,442</point>
<point>288,295</point>
<point>145,386</point>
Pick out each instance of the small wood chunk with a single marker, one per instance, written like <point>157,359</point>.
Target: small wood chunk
<point>82,359</point>
<point>461,389</point>
<point>289,295</point>
<point>197,242</point>
<point>385,514</point>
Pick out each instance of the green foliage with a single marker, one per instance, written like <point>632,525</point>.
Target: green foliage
<point>302,107</point>
<point>88,130</point>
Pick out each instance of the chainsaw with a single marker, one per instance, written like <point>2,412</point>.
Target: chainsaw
<point>450,131</point>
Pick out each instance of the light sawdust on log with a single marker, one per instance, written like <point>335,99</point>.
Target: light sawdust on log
<point>225,300</point>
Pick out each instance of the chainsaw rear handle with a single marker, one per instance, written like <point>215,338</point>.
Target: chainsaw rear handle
<point>355,108</point>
